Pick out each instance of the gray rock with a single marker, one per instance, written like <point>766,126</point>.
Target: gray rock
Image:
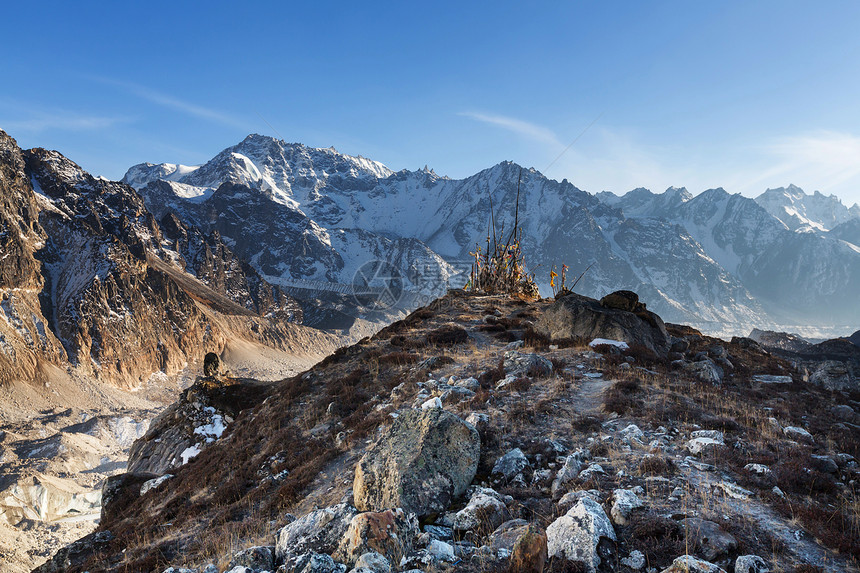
<point>824,464</point>
<point>456,394</point>
<point>843,412</point>
<point>469,383</point>
<point>584,534</point>
<point>424,460</point>
<point>260,558</point>
<point>519,364</point>
<point>571,498</point>
<point>798,434</point>
<point>705,371</point>
<point>635,561</point>
<point>507,534</point>
<point>485,511</point>
<point>835,376</point>
<point>704,446</point>
<point>510,464</point>
<point>771,379</point>
<point>624,502</point>
<point>712,434</point>
<point>751,564</point>
<point>590,471</point>
<point>311,562</point>
<point>690,564</point>
<point>319,531</point>
<point>439,532</point>
<point>633,433</point>
<point>717,351</point>
<point>574,315</point>
<point>709,539</point>
<point>373,562</point>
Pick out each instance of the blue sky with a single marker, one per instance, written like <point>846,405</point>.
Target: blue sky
<point>743,95</point>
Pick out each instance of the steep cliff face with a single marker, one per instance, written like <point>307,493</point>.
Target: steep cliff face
<point>88,278</point>
<point>26,340</point>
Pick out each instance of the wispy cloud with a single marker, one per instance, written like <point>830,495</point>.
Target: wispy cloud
<point>826,161</point>
<point>17,117</point>
<point>518,126</point>
<point>171,102</point>
<point>833,156</point>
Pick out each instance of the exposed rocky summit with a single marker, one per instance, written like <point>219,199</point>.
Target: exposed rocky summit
<point>610,459</point>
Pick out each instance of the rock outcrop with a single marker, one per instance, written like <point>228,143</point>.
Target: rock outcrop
<point>575,316</point>
<point>424,460</point>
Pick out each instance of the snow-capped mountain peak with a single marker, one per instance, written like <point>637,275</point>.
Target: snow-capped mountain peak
<point>802,212</point>
<point>304,214</point>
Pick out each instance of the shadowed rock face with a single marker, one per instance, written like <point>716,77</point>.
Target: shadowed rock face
<point>574,316</point>
<point>427,458</point>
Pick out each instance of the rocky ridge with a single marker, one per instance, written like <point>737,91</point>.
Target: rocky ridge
<point>593,454</point>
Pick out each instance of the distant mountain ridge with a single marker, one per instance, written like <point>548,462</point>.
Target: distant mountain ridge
<point>298,213</point>
<point>797,210</point>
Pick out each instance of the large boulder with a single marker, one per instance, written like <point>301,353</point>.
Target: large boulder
<point>835,376</point>
<point>389,533</point>
<point>575,315</point>
<point>320,531</point>
<point>582,535</point>
<point>424,460</point>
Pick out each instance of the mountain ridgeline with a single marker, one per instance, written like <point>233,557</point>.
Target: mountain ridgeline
<point>723,263</point>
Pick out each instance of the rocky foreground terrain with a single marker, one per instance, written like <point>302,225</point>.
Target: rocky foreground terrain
<point>485,433</point>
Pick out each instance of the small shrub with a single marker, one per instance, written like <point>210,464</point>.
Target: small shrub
<point>586,424</point>
<point>795,474</point>
<point>447,336</point>
<point>536,340</point>
<point>398,358</point>
<point>488,378</point>
<point>656,466</point>
<point>659,538</point>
